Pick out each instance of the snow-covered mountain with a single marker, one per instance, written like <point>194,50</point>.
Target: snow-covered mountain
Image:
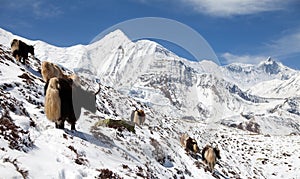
<point>224,105</point>
<point>247,75</point>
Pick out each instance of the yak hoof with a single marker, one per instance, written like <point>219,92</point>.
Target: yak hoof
<point>59,126</point>
<point>23,61</point>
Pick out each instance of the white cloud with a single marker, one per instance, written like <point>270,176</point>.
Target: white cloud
<point>227,8</point>
<point>284,47</point>
<point>39,8</point>
<point>42,10</point>
<point>249,59</point>
<point>287,45</point>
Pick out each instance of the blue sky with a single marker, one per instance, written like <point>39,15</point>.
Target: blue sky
<point>246,31</point>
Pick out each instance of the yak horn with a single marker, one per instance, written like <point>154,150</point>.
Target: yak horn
<point>98,89</point>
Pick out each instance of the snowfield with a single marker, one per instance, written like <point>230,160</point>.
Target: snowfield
<point>250,111</point>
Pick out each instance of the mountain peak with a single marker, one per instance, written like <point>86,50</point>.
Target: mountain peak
<point>117,33</point>
<point>270,66</point>
<point>269,59</point>
<point>114,36</point>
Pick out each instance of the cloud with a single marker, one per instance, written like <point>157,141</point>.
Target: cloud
<point>228,8</point>
<point>38,8</point>
<point>287,45</point>
<point>282,48</point>
<point>249,59</point>
<point>42,10</point>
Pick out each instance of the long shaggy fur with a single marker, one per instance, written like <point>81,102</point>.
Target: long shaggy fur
<point>14,45</point>
<point>210,156</point>
<point>188,143</point>
<point>183,139</point>
<point>15,49</point>
<point>52,101</point>
<point>20,49</point>
<point>50,70</point>
<point>138,117</point>
<point>72,98</point>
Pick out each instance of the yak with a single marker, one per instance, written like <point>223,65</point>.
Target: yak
<point>210,155</point>
<point>138,116</point>
<point>188,143</point>
<point>65,99</point>
<point>20,50</point>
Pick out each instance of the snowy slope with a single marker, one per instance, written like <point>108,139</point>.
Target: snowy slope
<point>178,96</point>
<point>32,148</point>
<point>278,88</point>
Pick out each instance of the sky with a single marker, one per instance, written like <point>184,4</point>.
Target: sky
<point>244,31</point>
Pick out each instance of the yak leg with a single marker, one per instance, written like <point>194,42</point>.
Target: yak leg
<point>24,61</point>
<point>73,122</point>
<point>73,126</point>
<point>211,166</point>
<point>18,58</point>
<point>60,124</point>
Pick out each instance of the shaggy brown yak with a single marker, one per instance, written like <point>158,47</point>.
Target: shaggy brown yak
<point>138,117</point>
<point>210,156</point>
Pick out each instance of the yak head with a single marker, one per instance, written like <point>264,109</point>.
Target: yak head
<point>141,113</point>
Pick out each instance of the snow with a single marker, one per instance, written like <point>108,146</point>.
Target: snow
<point>278,88</point>
<point>213,104</point>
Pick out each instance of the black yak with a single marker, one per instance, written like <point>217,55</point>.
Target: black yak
<point>20,50</point>
<point>188,143</point>
<point>72,98</point>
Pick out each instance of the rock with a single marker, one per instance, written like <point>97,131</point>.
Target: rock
<point>117,124</point>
